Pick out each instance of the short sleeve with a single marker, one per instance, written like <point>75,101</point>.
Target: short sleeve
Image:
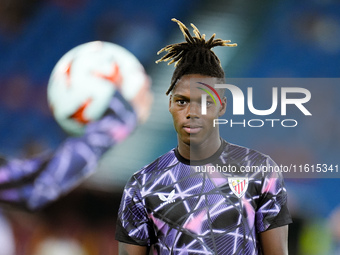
<point>133,224</point>
<point>272,211</point>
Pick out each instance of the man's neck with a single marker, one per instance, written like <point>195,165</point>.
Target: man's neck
<point>199,152</point>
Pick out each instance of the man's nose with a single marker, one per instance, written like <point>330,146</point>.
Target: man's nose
<point>194,110</point>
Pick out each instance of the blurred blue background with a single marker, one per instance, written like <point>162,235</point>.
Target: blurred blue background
<point>276,39</point>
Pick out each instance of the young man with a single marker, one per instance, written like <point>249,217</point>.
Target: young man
<point>175,205</point>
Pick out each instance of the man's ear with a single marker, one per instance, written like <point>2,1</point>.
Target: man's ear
<point>170,98</point>
<point>223,108</point>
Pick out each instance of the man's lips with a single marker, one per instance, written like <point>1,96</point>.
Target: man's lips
<point>192,129</point>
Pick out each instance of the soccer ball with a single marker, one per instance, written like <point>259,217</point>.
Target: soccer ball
<point>85,78</point>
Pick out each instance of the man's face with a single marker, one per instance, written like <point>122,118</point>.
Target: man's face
<point>185,106</point>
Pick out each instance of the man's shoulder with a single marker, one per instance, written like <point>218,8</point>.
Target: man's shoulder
<point>159,164</point>
<point>240,153</point>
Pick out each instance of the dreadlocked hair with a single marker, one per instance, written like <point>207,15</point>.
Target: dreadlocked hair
<point>193,56</point>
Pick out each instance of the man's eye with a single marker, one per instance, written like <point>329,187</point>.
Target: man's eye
<point>181,102</point>
<point>209,103</point>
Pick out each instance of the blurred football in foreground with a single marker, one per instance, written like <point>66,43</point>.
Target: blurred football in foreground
<point>85,78</point>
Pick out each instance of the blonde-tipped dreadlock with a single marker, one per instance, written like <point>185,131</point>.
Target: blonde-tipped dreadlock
<point>194,56</point>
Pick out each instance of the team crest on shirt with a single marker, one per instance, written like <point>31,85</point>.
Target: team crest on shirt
<point>238,185</point>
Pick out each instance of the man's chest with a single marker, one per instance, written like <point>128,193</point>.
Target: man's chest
<point>201,203</point>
